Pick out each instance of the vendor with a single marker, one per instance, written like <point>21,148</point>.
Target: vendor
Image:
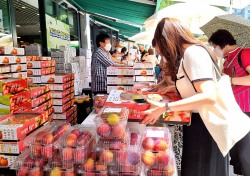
<point>101,59</point>
<point>142,51</point>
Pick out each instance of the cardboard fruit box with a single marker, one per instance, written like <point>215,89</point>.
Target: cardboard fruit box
<point>62,101</point>
<point>20,59</point>
<point>40,100</point>
<point>12,147</point>
<point>16,126</point>
<point>18,68</point>
<point>120,80</point>
<point>56,78</point>
<point>20,75</point>
<point>7,60</point>
<point>61,87</point>
<point>60,94</point>
<point>7,160</point>
<point>12,85</point>
<point>33,58</point>
<point>37,90</point>
<point>43,107</point>
<point>41,64</point>
<point>11,103</point>
<point>113,70</point>
<point>61,109</point>
<point>64,115</point>
<point>8,50</point>
<point>39,72</point>
<point>5,69</point>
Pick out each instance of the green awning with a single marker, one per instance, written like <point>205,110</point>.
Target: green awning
<point>124,29</point>
<point>126,10</point>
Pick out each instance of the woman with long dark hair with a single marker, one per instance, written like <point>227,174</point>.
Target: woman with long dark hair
<point>192,65</point>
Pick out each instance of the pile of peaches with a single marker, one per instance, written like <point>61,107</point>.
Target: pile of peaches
<point>99,102</point>
<point>156,151</point>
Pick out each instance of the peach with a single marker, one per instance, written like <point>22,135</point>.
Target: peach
<point>64,127</point>
<point>162,160</point>
<point>148,143</point>
<point>48,138</point>
<point>67,153</point>
<point>36,171</point>
<point>118,131</point>
<point>57,171</point>
<point>160,145</point>
<point>100,167</point>
<point>80,155</point>
<point>23,171</point>
<point>118,146</point>
<point>120,157</point>
<point>89,165</point>
<point>71,140</point>
<point>76,132</point>
<point>83,140</point>
<point>18,60</point>
<point>133,158</point>
<point>148,158</point>
<point>106,156</point>
<point>39,162</point>
<point>104,130</point>
<point>48,151</point>
<point>35,150</point>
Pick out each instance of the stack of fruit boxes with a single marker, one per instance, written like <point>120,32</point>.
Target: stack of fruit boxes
<point>12,62</point>
<point>144,72</point>
<point>62,92</point>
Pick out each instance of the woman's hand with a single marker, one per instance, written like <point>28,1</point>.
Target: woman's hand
<point>156,109</point>
<point>164,90</point>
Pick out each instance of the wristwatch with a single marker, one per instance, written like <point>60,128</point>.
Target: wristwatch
<point>167,108</point>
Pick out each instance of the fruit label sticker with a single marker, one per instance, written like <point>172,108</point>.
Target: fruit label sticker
<point>113,110</point>
<point>159,134</point>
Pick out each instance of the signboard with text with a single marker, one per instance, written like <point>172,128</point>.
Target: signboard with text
<point>58,33</point>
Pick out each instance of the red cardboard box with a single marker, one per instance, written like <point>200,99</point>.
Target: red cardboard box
<point>13,103</point>
<point>12,85</point>
<point>64,115</point>
<point>37,91</point>
<point>16,126</point>
<point>39,72</point>
<point>12,147</point>
<point>61,109</point>
<point>9,50</point>
<point>57,78</point>
<point>43,107</point>
<point>60,94</point>
<point>62,101</point>
<point>61,87</point>
<point>39,100</point>
<point>40,64</point>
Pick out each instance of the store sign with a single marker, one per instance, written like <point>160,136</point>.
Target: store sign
<point>1,20</point>
<point>58,33</point>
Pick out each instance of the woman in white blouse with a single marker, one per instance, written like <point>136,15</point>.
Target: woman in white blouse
<point>188,59</point>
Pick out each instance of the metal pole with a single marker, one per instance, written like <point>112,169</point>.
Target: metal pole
<point>43,27</point>
<point>13,22</point>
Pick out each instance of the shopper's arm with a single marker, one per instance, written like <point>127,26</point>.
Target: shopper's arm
<point>206,96</point>
<point>242,81</point>
<point>104,60</point>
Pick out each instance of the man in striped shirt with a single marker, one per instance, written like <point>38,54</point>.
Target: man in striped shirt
<point>101,59</point>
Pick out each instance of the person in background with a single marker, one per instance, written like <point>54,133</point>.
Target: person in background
<point>179,48</point>
<point>151,57</point>
<point>142,51</point>
<point>101,59</point>
<point>237,66</point>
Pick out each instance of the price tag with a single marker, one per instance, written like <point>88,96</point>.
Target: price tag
<point>114,96</point>
<point>158,134</point>
<point>113,110</point>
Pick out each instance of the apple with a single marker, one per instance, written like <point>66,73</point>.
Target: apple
<point>148,143</point>
<point>160,145</point>
<point>103,130</point>
<point>148,158</point>
<point>118,131</point>
<point>106,156</point>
